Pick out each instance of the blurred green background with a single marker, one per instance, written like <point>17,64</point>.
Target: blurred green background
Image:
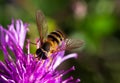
<point>94,21</point>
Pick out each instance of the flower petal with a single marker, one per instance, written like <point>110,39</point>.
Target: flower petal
<point>18,31</point>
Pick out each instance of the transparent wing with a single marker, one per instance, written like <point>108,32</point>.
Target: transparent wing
<point>73,43</point>
<point>41,25</point>
<point>70,44</point>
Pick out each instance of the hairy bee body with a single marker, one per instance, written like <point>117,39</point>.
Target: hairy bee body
<point>52,43</point>
<point>53,40</point>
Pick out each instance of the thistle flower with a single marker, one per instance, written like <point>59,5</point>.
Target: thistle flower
<point>21,67</point>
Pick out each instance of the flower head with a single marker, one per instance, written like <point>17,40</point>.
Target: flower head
<point>21,67</point>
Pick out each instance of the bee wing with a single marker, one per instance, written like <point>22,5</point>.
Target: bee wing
<point>41,25</point>
<point>73,43</point>
<point>70,44</point>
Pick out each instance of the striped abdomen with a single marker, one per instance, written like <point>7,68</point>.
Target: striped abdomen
<point>55,37</point>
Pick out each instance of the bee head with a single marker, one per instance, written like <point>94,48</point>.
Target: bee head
<point>41,54</point>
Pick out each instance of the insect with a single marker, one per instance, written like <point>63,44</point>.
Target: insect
<point>50,43</point>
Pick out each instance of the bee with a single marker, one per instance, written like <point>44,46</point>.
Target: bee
<point>51,43</point>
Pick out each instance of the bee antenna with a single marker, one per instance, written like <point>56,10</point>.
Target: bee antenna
<point>28,41</point>
<point>33,43</point>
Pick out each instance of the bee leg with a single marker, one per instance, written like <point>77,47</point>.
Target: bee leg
<point>36,57</point>
<point>52,51</point>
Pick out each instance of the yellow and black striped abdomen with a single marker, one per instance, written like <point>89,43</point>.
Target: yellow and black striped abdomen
<point>56,37</point>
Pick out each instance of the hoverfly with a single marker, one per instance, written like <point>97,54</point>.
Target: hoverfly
<point>52,42</point>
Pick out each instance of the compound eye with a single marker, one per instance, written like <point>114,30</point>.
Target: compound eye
<point>38,51</point>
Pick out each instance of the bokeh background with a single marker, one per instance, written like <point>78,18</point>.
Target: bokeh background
<point>94,21</point>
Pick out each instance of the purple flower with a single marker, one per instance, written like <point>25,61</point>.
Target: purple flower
<point>21,67</point>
